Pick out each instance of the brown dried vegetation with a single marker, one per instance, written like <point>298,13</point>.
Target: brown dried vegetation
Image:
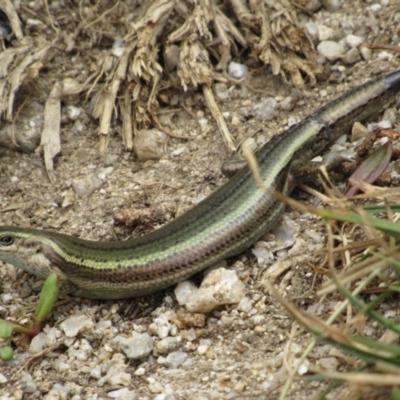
<point>126,59</point>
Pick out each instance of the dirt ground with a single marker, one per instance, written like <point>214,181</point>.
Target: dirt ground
<point>247,357</point>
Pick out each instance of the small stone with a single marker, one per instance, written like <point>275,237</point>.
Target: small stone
<point>96,372</point>
<point>330,50</point>
<point>221,91</point>
<point>30,386</point>
<point>324,33</point>
<point>167,345</point>
<point>160,327</point>
<point>178,151</point>
<point>366,53</point>
<point>116,394</point>
<point>184,291</point>
<point>105,172</point>
<point>6,298</point>
<point>38,343</point>
<point>265,109</point>
<point>332,5</point>
<point>140,371</point>
<point>352,56</point>
<point>236,70</point>
<point>61,366</point>
<point>245,305</point>
<point>375,8</point>
<point>84,187</point>
<point>358,131</point>
<point>190,319</point>
<point>3,379</point>
<point>390,115</point>
<point>72,112</point>
<point>136,347</point>
<point>148,144</point>
<point>328,363</point>
<point>220,286</point>
<point>260,329</point>
<point>288,103</point>
<point>171,57</point>
<point>118,48</point>
<point>75,324</point>
<point>263,254</point>
<point>312,29</point>
<point>155,387</point>
<point>385,56</point>
<point>353,40</point>
<point>173,360</point>
<point>337,76</point>
<point>115,370</point>
<point>70,86</point>
<point>204,345</point>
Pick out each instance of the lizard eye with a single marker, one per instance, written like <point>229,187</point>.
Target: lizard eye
<point>6,240</point>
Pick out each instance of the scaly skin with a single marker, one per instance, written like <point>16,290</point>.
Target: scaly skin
<point>224,224</point>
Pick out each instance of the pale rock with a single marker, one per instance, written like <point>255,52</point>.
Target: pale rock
<point>352,56</point>
<point>221,91</point>
<point>118,48</point>
<point>85,186</point>
<point>167,345</point>
<point>148,144</point>
<point>366,52</point>
<point>324,32</point>
<point>204,345</point>
<point>160,327</point>
<point>219,287</point>
<point>72,112</point>
<point>75,324</point>
<point>138,346</point>
<point>375,8</point>
<point>183,291</point>
<point>140,371</point>
<point>171,57</point>
<point>332,5</point>
<point>265,109</point>
<point>330,50</point>
<point>38,343</point>
<point>236,70</point>
<point>70,86</point>
<point>173,360</point>
<point>328,363</point>
<point>245,305</point>
<point>312,29</point>
<point>353,40</point>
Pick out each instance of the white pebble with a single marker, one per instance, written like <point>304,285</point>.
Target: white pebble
<point>375,8</point>
<point>38,343</point>
<point>352,56</point>
<point>265,108</point>
<point>183,291</point>
<point>140,371</point>
<point>136,347</point>
<point>204,345</point>
<point>330,50</point>
<point>324,32</point>
<point>236,70</point>
<point>245,305</point>
<point>148,144</point>
<point>75,324</point>
<point>353,40</point>
<point>220,286</point>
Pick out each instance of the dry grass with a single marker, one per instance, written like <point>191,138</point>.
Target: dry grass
<point>127,60</point>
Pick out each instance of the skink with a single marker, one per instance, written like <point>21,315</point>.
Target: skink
<point>223,225</point>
